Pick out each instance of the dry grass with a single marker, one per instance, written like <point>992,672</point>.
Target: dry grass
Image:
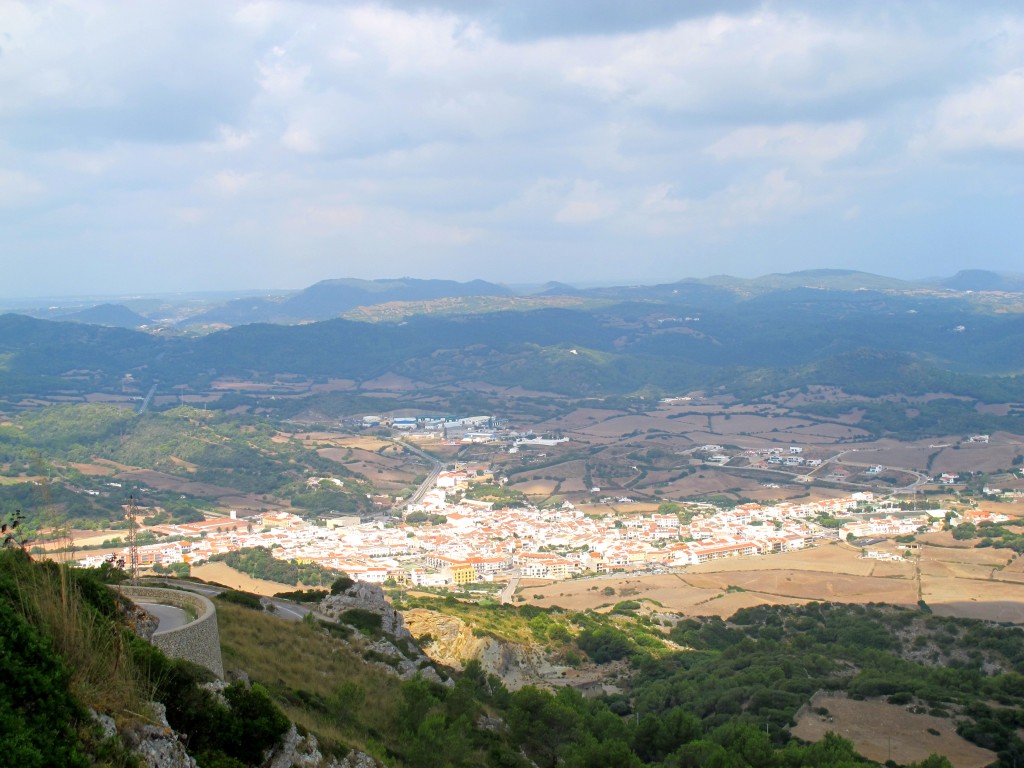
<point>222,573</point>
<point>883,731</point>
<point>288,656</point>
<point>103,675</point>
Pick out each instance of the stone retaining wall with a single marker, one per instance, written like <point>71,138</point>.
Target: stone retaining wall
<point>197,641</point>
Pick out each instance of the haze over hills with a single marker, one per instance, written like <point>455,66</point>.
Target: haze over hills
<point>778,331</point>
<point>113,315</point>
<point>329,299</point>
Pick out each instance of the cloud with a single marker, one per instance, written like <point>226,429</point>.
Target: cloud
<point>738,205</point>
<point>17,188</point>
<point>230,183</point>
<point>453,136</point>
<point>796,142</point>
<point>988,116</point>
<point>587,202</point>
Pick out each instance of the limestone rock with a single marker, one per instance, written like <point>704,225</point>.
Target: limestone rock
<point>295,751</point>
<point>138,619</point>
<point>156,744</point>
<point>106,722</point>
<point>452,643</point>
<point>356,759</point>
<point>369,597</point>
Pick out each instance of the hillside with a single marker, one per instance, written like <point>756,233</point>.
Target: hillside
<point>112,315</point>
<point>332,298</point>
<point>707,693</point>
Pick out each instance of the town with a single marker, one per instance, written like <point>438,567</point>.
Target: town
<point>457,541</point>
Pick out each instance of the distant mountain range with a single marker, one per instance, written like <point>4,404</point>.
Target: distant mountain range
<point>330,299</point>
<point>750,336</point>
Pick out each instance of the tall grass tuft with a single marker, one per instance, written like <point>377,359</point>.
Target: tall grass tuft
<point>322,683</point>
<point>82,630</point>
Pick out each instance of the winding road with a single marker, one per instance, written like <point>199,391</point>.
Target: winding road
<point>168,616</point>
<point>283,608</point>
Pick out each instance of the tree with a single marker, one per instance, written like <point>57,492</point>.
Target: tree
<point>965,531</point>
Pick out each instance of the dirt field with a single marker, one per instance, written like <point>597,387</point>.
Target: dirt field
<point>222,573</point>
<point>975,556</point>
<point>975,598</point>
<point>94,470</point>
<point>836,558</point>
<point>832,572</point>
<point>881,732</point>
<point>536,487</point>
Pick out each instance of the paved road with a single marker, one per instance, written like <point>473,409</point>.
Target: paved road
<point>146,400</point>
<point>510,588</point>
<point>428,483</point>
<point>283,608</point>
<point>169,616</point>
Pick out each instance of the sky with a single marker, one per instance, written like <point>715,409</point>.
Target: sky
<point>180,145</point>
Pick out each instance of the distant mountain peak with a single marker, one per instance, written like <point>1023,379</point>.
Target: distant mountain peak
<point>111,315</point>
<point>983,280</point>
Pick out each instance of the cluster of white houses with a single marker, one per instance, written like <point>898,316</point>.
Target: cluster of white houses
<point>477,542</point>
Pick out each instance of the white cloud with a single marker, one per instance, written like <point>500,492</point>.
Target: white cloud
<point>17,188</point>
<point>230,183</point>
<point>743,204</point>
<point>586,202</point>
<point>312,127</point>
<point>800,143</point>
<point>764,60</point>
<point>989,116</point>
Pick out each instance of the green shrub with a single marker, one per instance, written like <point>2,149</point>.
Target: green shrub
<point>342,584</point>
<point>245,599</point>
<point>365,621</point>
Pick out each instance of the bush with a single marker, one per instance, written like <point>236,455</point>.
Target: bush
<point>303,595</point>
<point>245,599</point>
<point>365,621</point>
<point>604,644</point>
<point>37,712</point>
<point>342,584</point>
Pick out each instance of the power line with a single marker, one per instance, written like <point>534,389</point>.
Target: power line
<point>133,542</point>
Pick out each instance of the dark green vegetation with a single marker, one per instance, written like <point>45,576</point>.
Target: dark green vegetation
<point>65,649</point>
<point>989,534</point>
<point>706,705</point>
<point>228,451</point>
<point>738,678</point>
<point>668,339</point>
<point>709,705</point>
<point>765,663</point>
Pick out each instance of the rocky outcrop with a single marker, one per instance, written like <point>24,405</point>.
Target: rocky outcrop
<point>139,620</point>
<point>156,743</point>
<point>384,652</point>
<point>369,597</point>
<point>450,641</point>
<point>356,759</point>
<point>298,751</point>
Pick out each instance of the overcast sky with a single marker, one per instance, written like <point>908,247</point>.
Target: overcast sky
<point>168,146</point>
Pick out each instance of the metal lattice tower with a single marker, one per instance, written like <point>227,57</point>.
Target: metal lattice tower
<point>133,542</point>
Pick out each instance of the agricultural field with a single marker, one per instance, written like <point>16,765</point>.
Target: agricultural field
<point>882,731</point>
<point>969,583</point>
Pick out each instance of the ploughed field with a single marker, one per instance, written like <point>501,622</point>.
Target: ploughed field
<point>982,584</point>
